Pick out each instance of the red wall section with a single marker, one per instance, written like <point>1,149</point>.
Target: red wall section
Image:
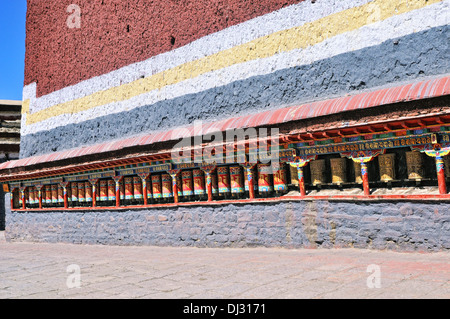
<point>116,33</point>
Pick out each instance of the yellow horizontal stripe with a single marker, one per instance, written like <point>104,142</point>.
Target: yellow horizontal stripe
<point>296,38</point>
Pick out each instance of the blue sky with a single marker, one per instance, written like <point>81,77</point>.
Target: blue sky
<point>12,48</point>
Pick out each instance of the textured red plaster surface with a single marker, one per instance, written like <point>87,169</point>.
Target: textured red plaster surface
<point>116,33</point>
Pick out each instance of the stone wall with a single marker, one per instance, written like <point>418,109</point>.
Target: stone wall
<point>404,226</point>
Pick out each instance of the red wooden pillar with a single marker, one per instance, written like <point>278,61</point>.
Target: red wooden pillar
<point>365,179</point>
<point>441,175</point>
<point>209,169</point>
<point>22,194</point>
<point>144,177</point>
<point>117,179</point>
<point>66,199</point>
<point>301,181</point>
<point>250,180</point>
<point>12,198</point>
<point>174,174</point>
<point>94,182</point>
<point>209,186</point>
<point>40,195</point>
<point>439,154</point>
<point>144,187</point>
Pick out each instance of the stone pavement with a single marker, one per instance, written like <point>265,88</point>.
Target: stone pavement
<point>63,271</point>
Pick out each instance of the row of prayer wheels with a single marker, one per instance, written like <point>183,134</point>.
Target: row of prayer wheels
<point>227,182</point>
<point>415,165</point>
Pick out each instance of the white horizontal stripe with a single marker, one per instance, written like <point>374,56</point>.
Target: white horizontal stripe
<point>397,26</point>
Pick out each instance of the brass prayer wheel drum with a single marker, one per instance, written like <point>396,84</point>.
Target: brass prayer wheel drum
<point>447,166</point>
<point>318,172</point>
<point>358,174</point>
<point>386,163</point>
<point>338,170</point>
<point>414,164</point>
<point>294,175</point>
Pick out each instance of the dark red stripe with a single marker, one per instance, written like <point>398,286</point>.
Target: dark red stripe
<point>116,33</point>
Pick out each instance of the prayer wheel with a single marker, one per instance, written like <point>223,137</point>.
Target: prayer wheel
<point>36,197</point>
<point>447,166</point>
<point>179,182</point>
<point>294,175</point>
<point>74,191</point>
<point>149,190</point>
<point>280,179</point>
<point>264,183</point>
<point>386,163</point>
<point>137,191</point>
<point>129,194</point>
<point>54,195</point>
<point>111,192</point>
<point>103,198</point>
<point>338,170</point>
<point>35,192</point>
<point>199,183</point>
<point>237,183</point>
<point>223,179</point>
<point>414,165</point>
<point>88,193</point>
<point>122,190</point>
<point>166,180</point>
<point>81,194</point>
<point>318,172</point>
<point>31,197</point>
<point>97,192</point>
<point>188,191</point>
<point>48,195</point>
<point>156,188</point>
<point>215,187</point>
<point>60,196</point>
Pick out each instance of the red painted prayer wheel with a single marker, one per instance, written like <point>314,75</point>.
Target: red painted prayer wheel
<point>156,187</point>
<point>111,192</point>
<point>88,193</point>
<point>74,190</point>
<point>236,180</point>
<point>129,193</point>
<point>223,180</point>
<point>199,182</point>
<point>137,188</point>
<point>36,197</point>
<point>179,185</point>
<point>122,190</point>
<point>264,182</point>
<point>166,186</point>
<point>54,194</point>
<point>149,190</point>
<point>60,196</point>
<point>81,194</point>
<point>103,192</point>
<point>48,195</point>
<point>215,187</point>
<point>31,196</point>
<point>186,177</point>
